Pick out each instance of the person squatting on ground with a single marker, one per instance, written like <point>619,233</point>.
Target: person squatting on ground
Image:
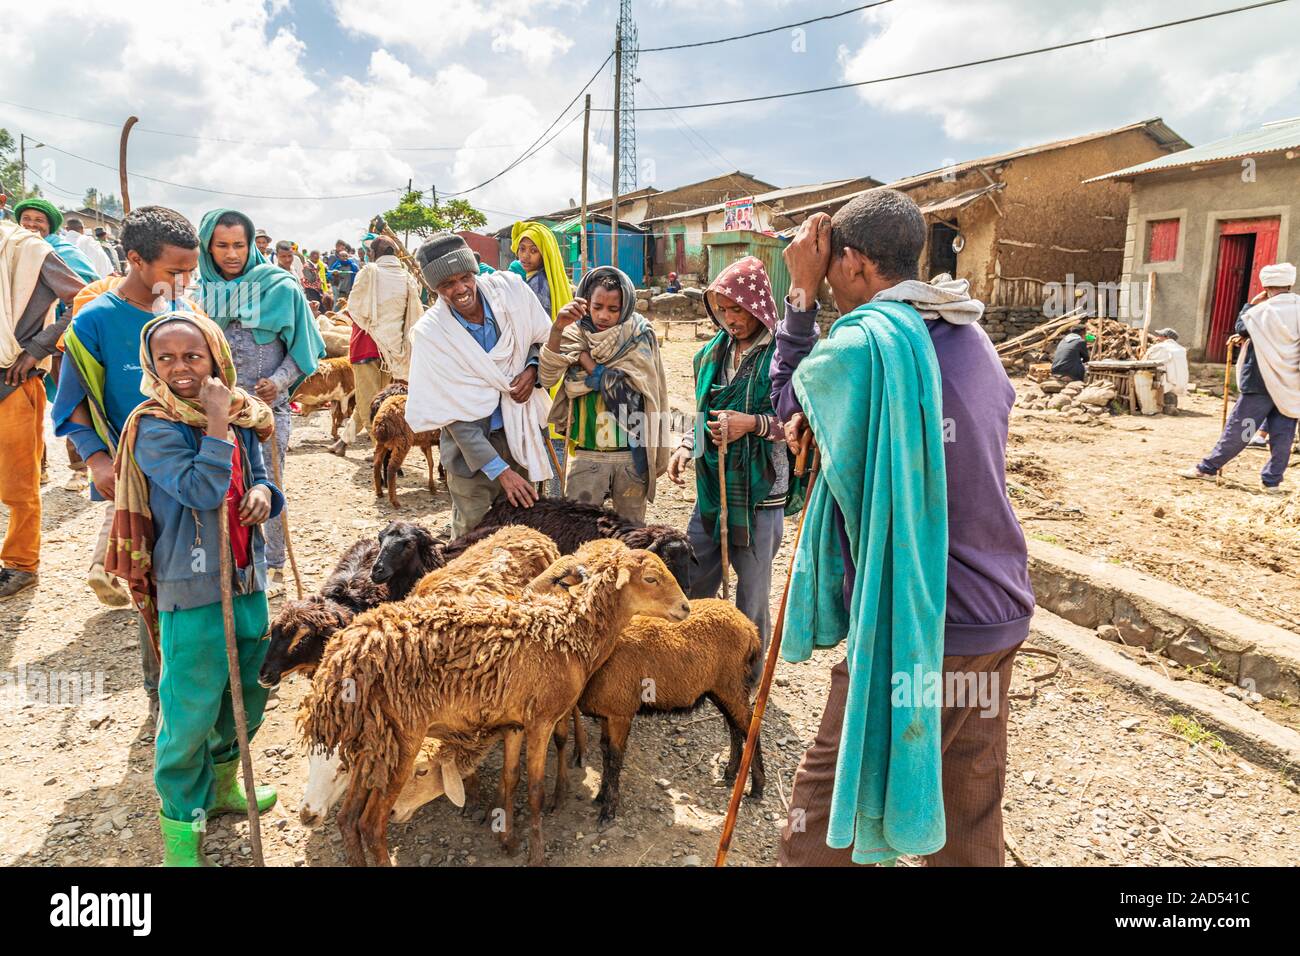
<point>612,402</point>
<point>192,446</point>
<point>264,315</point>
<point>910,406</point>
<point>733,385</point>
<point>1268,380</point>
<point>474,376</point>
<point>384,307</point>
<point>100,382</point>
<point>32,279</point>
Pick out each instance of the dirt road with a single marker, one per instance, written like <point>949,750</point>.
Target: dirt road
<point>1095,776</point>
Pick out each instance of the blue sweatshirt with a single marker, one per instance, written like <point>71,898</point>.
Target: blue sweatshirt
<point>189,472</point>
<point>990,600</point>
<point>109,327</point>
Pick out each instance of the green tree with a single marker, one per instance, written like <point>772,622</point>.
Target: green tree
<point>11,176</point>
<point>415,215</point>
<point>106,203</point>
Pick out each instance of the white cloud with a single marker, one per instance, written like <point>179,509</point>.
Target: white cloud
<point>537,45</point>
<point>1191,75</point>
<point>231,75</point>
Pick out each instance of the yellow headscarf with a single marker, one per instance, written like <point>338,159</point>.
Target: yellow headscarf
<point>552,262</point>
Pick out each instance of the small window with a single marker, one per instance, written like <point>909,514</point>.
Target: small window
<point>1162,240</point>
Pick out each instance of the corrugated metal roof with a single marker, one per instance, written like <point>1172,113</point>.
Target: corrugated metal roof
<point>961,199</point>
<point>1270,138</point>
<point>774,195</point>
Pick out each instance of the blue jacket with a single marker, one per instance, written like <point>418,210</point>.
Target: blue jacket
<point>189,473</point>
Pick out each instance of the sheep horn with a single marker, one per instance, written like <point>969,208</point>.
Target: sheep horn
<point>452,784</point>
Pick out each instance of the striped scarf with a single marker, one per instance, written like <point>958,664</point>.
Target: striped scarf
<point>130,543</point>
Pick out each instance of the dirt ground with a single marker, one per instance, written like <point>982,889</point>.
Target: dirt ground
<point>1095,776</point>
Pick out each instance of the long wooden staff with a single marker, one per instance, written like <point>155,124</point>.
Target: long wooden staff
<point>121,163</point>
<point>769,665</point>
<point>1227,383</point>
<point>555,460</point>
<point>724,538</point>
<point>284,514</point>
<point>236,685</point>
<point>379,227</point>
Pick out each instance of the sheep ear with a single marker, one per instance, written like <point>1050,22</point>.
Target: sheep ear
<point>624,575</point>
<point>572,578</point>
<point>452,785</point>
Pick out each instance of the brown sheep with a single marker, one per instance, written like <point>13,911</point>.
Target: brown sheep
<point>670,667</point>
<point>393,442</point>
<point>332,383</point>
<point>502,564</point>
<point>451,667</point>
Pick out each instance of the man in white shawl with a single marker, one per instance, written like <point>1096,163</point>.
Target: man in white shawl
<point>384,306</point>
<point>32,278</point>
<point>473,374</point>
<point>1268,379</point>
<point>1166,348</point>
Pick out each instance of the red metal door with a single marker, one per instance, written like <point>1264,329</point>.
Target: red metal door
<point>1229,281</point>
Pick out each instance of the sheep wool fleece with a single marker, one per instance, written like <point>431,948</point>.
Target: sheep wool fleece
<point>873,397</point>
<point>196,720</point>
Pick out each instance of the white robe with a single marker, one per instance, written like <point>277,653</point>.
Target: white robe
<point>454,380</point>
<point>1274,328</point>
<point>1175,358</point>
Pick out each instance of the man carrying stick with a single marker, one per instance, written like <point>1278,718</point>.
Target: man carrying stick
<point>1268,378</point>
<point>910,551</point>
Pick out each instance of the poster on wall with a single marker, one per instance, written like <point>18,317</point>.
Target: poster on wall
<point>739,214</point>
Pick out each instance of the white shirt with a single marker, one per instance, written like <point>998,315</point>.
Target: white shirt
<point>93,252</point>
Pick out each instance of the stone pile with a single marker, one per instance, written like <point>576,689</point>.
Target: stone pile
<point>1075,402</point>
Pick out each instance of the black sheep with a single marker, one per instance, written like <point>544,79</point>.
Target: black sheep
<point>407,552</point>
<point>571,524</point>
<point>302,628</point>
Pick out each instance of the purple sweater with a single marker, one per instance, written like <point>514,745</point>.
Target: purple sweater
<point>990,600</point>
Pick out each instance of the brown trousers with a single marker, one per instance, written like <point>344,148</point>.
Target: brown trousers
<point>974,773</point>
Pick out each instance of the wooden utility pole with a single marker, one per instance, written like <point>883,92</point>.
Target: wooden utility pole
<point>618,117</point>
<point>410,184</point>
<point>586,126</point>
<point>22,166</point>
<point>121,170</point>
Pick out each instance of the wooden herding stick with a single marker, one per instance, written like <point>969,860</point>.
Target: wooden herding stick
<point>769,665</point>
<point>555,460</point>
<point>724,538</point>
<point>1227,381</point>
<point>284,514</point>
<point>236,686</point>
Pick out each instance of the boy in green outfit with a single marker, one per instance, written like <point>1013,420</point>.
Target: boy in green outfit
<point>193,446</point>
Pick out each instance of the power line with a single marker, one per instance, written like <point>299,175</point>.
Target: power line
<point>245,142</point>
<point>221,192</point>
<point>530,151</point>
<point>759,33</point>
<point>962,66</point>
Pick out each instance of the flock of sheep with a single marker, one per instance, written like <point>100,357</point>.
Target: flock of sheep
<point>424,653</point>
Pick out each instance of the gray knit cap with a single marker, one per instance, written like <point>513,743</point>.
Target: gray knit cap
<point>443,256</point>
<point>1166,334</point>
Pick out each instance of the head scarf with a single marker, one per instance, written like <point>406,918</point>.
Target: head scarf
<point>130,543</point>
<point>264,298</point>
<point>745,282</point>
<point>557,277</point>
<point>1279,275</point>
<point>41,205</point>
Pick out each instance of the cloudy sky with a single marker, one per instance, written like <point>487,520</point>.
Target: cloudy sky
<point>319,111</point>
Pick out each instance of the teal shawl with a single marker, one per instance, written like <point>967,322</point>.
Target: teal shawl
<point>265,299</point>
<point>73,257</point>
<point>871,392</point>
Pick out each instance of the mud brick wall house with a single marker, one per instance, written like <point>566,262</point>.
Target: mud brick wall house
<point>1015,222</point>
<point>679,235</point>
<point>1204,221</point>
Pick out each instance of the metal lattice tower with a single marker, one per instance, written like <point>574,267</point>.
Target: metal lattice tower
<point>627,167</point>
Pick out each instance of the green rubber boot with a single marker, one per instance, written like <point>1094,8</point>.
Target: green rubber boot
<point>231,797</point>
<point>182,843</point>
